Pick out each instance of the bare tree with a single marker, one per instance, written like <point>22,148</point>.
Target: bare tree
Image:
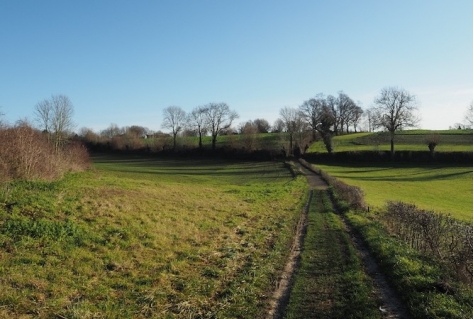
<point>310,111</point>
<point>262,125</point>
<point>331,105</point>
<point>355,116</point>
<point>174,118</point>
<point>319,114</point>
<point>295,126</point>
<point>395,109</point>
<point>468,116</point>
<point>278,126</point>
<point>196,122</point>
<point>55,118</point>
<point>218,117</point>
<point>43,113</point>
<point>249,132</point>
<point>112,131</point>
<point>370,114</point>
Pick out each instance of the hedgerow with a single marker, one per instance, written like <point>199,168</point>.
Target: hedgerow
<point>27,154</point>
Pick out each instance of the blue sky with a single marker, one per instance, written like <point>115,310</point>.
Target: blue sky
<point>123,62</point>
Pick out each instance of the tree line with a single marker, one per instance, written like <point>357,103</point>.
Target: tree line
<point>318,118</point>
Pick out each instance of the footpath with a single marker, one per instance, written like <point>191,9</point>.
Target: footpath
<point>389,304</point>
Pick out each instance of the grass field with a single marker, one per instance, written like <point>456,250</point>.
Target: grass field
<point>412,140</point>
<point>446,189</point>
<point>144,237</point>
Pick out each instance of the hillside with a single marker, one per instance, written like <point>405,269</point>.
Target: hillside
<point>412,140</point>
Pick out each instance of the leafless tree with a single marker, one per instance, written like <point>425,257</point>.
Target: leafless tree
<point>355,117</point>
<point>249,132</point>
<point>174,118</point>
<point>278,126</point>
<point>138,131</point>
<point>196,122</point>
<point>468,116</point>
<point>310,110</point>
<point>295,126</point>
<point>395,109</point>
<point>262,125</point>
<point>343,112</point>
<point>112,131</point>
<point>43,113</point>
<point>55,118</point>
<point>218,117</point>
<point>319,114</point>
<point>370,116</point>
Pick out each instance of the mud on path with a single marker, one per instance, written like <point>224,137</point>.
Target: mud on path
<point>390,303</point>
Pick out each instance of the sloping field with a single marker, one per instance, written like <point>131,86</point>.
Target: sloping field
<point>412,140</point>
<point>143,237</point>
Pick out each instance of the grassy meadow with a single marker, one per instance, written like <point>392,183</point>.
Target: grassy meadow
<point>144,237</point>
<point>445,189</point>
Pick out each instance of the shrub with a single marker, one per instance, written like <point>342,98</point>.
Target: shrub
<point>353,196</point>
<point>27,154</point>
<point>446,239</point>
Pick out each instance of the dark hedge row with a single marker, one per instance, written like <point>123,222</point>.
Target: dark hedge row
<point>352,196</point>
<point>384,156</point>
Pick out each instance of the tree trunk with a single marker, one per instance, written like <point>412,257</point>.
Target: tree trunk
<point>214,139</point>
<point>174,141</point>
<point>200,140</point>
<point>392,144</point>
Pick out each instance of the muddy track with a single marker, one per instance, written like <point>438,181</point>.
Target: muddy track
<point>390,304</point>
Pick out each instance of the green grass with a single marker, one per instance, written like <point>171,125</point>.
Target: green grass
<point>143,237</point>
<point>330,282</point>
<point>267,141</point>
<point>412,140</point>
<point>445,189</point>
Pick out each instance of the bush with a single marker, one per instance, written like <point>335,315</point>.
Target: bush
<point>446,239</point>
<point>353,196</point>
<point>27,154</point>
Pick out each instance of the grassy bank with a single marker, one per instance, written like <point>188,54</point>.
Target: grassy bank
<point>330,282</point>
<point>142,237</point>
<point>425,288</point>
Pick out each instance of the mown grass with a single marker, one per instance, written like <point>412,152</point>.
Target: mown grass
<point>144,237</point>
<point>445,189</point>
<point>330,283</point>
<point>411,140</point>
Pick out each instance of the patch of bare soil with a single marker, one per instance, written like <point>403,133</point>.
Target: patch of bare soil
<point>390,303</point>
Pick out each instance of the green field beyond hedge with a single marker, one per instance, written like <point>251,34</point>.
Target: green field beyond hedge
<point>446,189</point>
<point>413,140</point>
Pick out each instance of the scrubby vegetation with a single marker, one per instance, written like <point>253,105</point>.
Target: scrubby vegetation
<point>28,154</point>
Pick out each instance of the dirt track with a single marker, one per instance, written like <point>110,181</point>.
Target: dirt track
<point>390,304</point>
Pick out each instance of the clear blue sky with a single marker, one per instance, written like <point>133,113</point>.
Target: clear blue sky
<point>123,62</point>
